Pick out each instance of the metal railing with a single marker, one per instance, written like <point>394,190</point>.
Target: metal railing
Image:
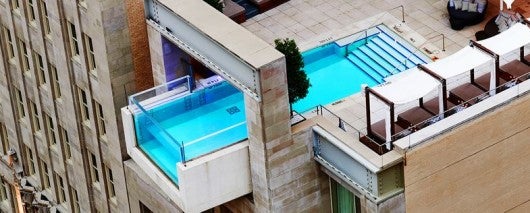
<point>358,135</point>
<point>514,83</point>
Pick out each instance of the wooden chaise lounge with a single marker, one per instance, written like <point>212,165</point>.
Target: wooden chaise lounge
<point>514,69</point>
<point>464,93</point>
<point>527,59</point>
<point>379,131</point>
<point>414,116</point>
<point>484,81</point>
<point>434,107</point>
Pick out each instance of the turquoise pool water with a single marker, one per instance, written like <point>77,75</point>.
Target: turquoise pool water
<point>202,122</point>
<point>332,76</point>
<point>214,117</point>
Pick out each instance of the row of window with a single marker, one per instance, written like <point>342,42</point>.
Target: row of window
<point>39,66</point>
<point>59,181</point>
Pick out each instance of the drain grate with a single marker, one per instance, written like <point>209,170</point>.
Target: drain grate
<point>232,110</point>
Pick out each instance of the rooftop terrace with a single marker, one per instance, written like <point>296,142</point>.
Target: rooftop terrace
<point>341,126</point>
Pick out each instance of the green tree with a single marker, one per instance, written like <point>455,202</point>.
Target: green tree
<point>215,4</point>
<point>297,81</point>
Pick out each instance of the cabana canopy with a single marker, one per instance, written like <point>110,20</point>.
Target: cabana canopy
<point>414,85</point>
<point>460,62</point>
<point>515,37</point>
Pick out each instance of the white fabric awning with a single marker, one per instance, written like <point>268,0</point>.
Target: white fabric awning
<point>460,62</point>
<point>410,87</point>
<point>514,37</point>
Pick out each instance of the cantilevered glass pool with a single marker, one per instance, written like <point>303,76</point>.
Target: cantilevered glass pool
<point>175,126</point>
<point>192,125</point>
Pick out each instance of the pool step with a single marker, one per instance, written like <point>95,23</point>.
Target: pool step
<point>379,59</point>
<point>371,63</point>
<point>367,69</point>
<point>422,58</point>
<point>398,66</point>
<point>401,48</point>
<point>393,52</point>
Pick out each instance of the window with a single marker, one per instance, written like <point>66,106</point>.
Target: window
<point>44,17</point>
<point>110,182</point>
<point>75,200</point>
<point>20,105</point>
<point>35,121</point>
<point>73,39</point>
<point>93,167</point>
<point>63,134</point>
<point>100,119</point>
<point>83,102</point>
<point>9,42</point>
<point>14,4</point>
<point>31,10</point>
<point>24,55</point>
<point>56,88</point>
<point>144,209</point>
<point>342,200</point>
<point>50,130</point>
<point>45,174</point>
<point>89,48</point>
<point>59,190</point>
<point>3,138</point>
<point>29,161</point>
<point>39,68</point>
<point>3,191</point>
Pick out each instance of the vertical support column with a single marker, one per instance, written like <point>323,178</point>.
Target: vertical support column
<point>269,130</point>
<point>157,56</point>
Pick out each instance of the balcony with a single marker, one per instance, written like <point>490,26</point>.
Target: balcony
<point>192,142</point>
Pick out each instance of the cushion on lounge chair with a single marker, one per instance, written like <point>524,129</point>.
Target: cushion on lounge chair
<point>515,69</point>
<point>379,131</point>
<point>414,116</point>
<point>433,106</point>
<point>466,92</point>
<point>484,81</point>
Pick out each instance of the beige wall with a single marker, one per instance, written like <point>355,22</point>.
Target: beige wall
<point>482,166</point>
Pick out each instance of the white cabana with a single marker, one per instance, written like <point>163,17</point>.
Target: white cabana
<point>513,38</point>
<point>410,87</point>
<point>460,62</point>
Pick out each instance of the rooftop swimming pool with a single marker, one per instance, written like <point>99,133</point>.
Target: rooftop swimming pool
<point>193,124</point>
<point>338,69</point>
<point>196,124</point>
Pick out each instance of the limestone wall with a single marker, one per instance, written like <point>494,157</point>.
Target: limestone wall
<point>481,166</point>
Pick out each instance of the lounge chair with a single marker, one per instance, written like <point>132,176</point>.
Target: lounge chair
<point>484,81</point>
<point>379,131</point>
<point>414,116</point>
<point>464,93</point>
<point>434,107</point>
<point>514,69</point>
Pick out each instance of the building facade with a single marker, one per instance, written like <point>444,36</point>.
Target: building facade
<point>66,67</point>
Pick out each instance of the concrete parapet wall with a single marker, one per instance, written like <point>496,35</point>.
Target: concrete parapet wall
<point>480,166</point>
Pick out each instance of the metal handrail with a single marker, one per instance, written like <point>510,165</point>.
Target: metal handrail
<point>342,124</point>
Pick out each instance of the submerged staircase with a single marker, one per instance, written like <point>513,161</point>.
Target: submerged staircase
<point>383,56</point>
